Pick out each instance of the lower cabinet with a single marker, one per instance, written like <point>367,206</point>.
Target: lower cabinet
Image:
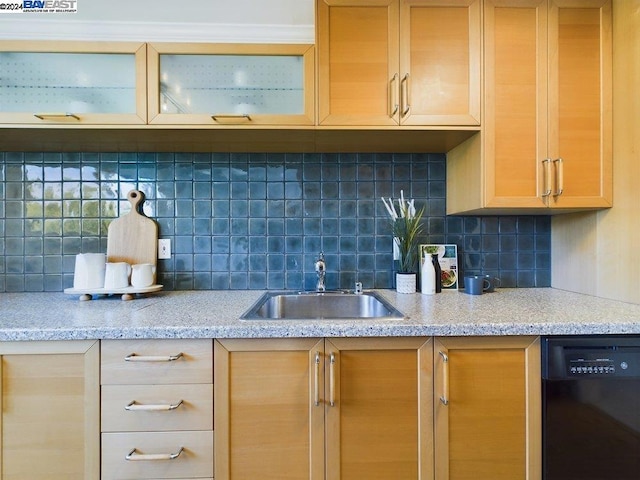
<point>487,408</point>
<point>375,408</point>
<point>50,420</point>
<point>313,408</point>
<point>459,408</point>
<point>157,411</point>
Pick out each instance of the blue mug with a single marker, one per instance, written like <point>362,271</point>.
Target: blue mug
<point>494,282</point>
<point>476,284</point>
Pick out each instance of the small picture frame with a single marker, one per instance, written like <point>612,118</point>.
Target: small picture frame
<point>448,259</point>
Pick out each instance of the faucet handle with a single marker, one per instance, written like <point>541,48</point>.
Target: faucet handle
<point>320,263</point>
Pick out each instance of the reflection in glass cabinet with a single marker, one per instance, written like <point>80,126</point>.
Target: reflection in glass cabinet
<point>234,85</point>
<point>45,83</point>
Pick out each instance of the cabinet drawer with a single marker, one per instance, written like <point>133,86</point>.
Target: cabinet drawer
<point>131,362</point>
<point>145,408</point>
<point>194,461</point>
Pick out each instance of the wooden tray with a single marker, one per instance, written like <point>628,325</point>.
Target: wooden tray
<point>127,292</point>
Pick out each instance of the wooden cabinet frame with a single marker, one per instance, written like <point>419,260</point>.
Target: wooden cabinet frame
<point>307,52</point>
<point>543,148</point>
<point>137,49</point>
<point>373,61</point>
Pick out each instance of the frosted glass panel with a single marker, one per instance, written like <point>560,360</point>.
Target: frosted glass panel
<point>232,84</point>
<point>67,82</point>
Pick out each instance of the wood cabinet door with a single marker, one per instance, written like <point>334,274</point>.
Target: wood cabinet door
<point>487,408</point>
<point>580,102</point>
<point>516,167</point>
<point>357,47</point>
<point>440,45</point>
<point>268,409</point>
<point>379,408</point>
<point>50,420</point>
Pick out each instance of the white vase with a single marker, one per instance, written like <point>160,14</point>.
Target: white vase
<point>427,276</point>
<point>406,282</point>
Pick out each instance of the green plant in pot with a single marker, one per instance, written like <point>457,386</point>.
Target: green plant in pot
<point>406,227</point>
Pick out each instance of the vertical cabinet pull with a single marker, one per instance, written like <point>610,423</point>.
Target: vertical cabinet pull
<point>444,398</point>
<point>393,96</point>
<point>404,87</point>
<point>559,163</point>
<point>132,456</point>
<point>152,358</point>
<point>316,380</point>
<point>546,163</point>
<point>332,379</point>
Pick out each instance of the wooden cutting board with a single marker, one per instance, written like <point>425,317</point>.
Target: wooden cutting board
<point>133,238</point>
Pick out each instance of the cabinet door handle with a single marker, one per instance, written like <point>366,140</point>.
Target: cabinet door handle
<point>332,379</point>
<point>316,380</point>
<point>138,407</point>
<point>546,163</point>
<point>444,398</point>
<point>152,358</point>
<point>393,96</point>
<point>405,93</point>
<point>245,117</point>
<point>559,163</point>
<point>55,116</point>
<point>133,456</point>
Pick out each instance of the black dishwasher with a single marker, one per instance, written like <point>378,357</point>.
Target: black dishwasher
<point>591,407</point>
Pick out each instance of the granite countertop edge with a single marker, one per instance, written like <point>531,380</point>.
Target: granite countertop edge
<point>216,314</point>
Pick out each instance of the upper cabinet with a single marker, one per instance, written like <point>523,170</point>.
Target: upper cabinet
<point>225,84</point>
<point>546,143</point>
<point>398,62</point>
<point>72,83</point>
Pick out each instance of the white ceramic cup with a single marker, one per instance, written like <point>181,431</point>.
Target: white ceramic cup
<point>89,271</point>
<point>117,275</point>
<point>142,275</point>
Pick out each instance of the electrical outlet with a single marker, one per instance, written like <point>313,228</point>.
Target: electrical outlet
<point>164,249</point>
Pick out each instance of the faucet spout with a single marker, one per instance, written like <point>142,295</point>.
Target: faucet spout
<point>321,269</point>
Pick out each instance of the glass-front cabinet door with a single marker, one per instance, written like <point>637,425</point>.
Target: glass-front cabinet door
<point>231,84</point>
<point>72,83</point>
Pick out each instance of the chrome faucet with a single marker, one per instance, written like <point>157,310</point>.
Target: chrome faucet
<point>321,270</point>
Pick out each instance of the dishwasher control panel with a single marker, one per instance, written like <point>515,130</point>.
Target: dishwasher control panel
<point>591,357</point>
<point>598,366</point>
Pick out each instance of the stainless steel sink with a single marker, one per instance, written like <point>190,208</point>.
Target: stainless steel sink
<point>316,306</point>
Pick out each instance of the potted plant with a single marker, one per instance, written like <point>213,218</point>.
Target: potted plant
<point>406,227</point>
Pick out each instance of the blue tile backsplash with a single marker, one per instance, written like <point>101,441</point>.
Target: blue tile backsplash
<point>247,221</point>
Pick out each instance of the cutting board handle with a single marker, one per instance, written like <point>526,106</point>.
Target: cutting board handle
<point>135,197</point>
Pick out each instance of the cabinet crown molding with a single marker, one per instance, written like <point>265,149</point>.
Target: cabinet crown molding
<point>29,29</point>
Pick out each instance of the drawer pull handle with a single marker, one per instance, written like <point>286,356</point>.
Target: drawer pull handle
<point>151,358</point>
<point>137,457</point>
<point>138,407</point>
<point>244,117</point>
<point>55,116</point>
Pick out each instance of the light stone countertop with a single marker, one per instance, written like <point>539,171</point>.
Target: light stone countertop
<point>215,314</point>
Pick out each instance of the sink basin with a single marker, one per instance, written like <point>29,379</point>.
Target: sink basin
<point>326,305</point>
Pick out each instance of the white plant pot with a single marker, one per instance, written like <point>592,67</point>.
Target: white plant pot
<point>406,282</point>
